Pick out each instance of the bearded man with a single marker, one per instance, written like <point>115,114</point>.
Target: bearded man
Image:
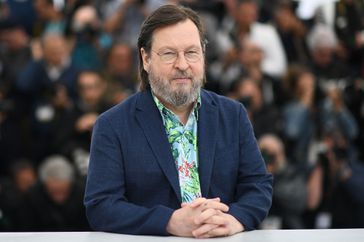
<point>175,159</point>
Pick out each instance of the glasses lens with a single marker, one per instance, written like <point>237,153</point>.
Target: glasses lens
<point>192,56</point>
<point>168,57</point>
<point>171,56</point>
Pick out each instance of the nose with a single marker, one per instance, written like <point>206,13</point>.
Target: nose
<point>181,62</point>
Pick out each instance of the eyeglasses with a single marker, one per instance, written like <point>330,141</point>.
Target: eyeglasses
<point>170,56</point>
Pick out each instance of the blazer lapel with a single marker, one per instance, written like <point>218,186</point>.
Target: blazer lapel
<point>151,122</point>
<point>207,126</point>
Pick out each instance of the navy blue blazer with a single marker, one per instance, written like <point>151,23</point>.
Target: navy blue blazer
<point>132,184</point>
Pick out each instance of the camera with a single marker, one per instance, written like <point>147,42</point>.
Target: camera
<point>341,153</point>
<point>246,101</point>
<point>268,157</point>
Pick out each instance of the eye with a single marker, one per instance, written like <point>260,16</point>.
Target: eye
<point>192,55</point>
<point>192,52</point>
<point>168,53</point>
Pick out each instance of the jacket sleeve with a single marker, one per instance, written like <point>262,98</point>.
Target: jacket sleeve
<point>254,186</point>
<point>107,206</point>
<point>30,78</point>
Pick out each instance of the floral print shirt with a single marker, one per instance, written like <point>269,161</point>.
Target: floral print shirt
<point>183,142</point>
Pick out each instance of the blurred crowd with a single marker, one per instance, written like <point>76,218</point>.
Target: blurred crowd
<point>297,66</point>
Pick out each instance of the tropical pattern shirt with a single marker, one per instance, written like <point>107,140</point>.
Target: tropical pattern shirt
<point>183,142</point>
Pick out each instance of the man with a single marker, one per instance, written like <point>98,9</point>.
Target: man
<point>175,159</point>
<point>55,203</point>
<point>54,67</point>
<point>293,192</point>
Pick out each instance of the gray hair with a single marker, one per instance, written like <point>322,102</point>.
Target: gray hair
<point>321,36</point>
<point>56,167</point>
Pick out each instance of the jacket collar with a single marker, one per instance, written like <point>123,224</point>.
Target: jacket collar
<point>150,120</point>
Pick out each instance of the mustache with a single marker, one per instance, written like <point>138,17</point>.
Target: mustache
<point>182,74</point>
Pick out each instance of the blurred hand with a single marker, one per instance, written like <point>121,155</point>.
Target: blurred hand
<point>359,84</point>
<point>86,122</point>
<point>36,47</point>
<point>334,94</point>
<point>298,28</point>
<point>61,99</point>
<point>359,39</point>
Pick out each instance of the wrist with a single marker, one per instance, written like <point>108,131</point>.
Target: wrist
<point>238,227</point>
<point>171,225</point>
<point>176,226</point>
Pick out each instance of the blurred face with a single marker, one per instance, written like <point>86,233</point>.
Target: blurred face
<point>175,64</point>
<point>323,56</point>
<point>272,148</point>
<point>284,18</point>
<point>230,6</point>
<point>247,13</point>
<point>251,54</point>
<point>91,87</point>
<point>24,179</point>
<point>120,60</point>
<point>250,89</point>
<point>14,39</point>
<point>58,190</point>
<point>55,50</point>
<point>306,84</point>
<point>85,15</point>
<point>270,145</point>
<point>42,8</point>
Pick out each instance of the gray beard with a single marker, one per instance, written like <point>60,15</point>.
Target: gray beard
<point>176,98</point>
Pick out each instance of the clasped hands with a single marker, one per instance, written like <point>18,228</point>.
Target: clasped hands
<point>203,218</point>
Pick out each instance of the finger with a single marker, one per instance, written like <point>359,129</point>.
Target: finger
<point>204,229</point>
<point>214,205</point>
<point>197,202</point>
<point>201,218</point>
<point>217,220</point>
<point>220,231</point>
<point>184,205</point>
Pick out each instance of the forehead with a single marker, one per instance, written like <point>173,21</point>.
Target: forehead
<point>248,87</point>
<point>249,6</point>
<point>52,42</point>
<point>180,35</point>
<point>88,77</point>
<point>249,45</point>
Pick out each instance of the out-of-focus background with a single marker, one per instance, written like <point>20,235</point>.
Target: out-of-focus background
<point>297,66</point>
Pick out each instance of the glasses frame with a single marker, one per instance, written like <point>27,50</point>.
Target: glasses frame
<point>163,55</point>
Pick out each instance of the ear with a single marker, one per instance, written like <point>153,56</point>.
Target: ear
<point>146,59</point>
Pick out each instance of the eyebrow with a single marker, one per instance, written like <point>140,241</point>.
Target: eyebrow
<point>172,48</point>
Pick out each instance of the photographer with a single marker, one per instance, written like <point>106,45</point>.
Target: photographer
<point>299,112</point>
<point>55,202</point>
<point>292,192</point>
<point>342,203</point>
<point>54,67</point>
<point>51,122</point>
<point>248,92</point>
<point>122,19</point>
<point>88,38</point>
